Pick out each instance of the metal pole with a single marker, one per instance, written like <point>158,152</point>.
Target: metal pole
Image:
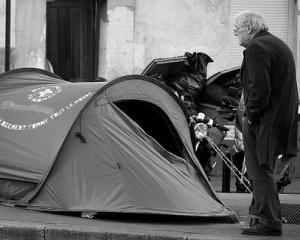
<point>7,35</point>
<point>226,175</point>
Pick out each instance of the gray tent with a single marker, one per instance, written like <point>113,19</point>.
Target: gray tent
<point>120,146</point>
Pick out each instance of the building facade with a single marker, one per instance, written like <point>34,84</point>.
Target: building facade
<point>85,40</point>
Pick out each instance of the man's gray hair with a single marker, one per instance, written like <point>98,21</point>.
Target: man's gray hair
<point>254,21</point>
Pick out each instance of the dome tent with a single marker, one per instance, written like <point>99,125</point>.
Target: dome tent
<point>119,146</point>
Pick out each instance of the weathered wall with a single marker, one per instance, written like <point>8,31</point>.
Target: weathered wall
<point>139,31</point>
<point>2,35</point>
<point>116,38</point>
<point>172,27</point>
<point>30,33</point>
<point>102,40</point>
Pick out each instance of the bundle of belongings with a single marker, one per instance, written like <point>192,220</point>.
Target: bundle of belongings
<point>186,76</point>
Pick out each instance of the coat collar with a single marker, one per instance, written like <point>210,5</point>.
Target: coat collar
<point>261,33</point>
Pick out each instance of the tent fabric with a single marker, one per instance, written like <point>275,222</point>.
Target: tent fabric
<point>81,152</point>
<point>133,176</point>
<point>20,78</point>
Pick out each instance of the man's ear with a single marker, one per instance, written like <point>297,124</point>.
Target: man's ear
<point>249,30</point>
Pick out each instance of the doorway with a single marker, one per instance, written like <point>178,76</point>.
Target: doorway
<point>72,38</point>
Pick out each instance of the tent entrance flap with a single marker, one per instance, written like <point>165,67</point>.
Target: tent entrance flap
<point>154,122</point>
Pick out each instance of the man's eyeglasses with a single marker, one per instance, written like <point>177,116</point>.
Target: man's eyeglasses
<point>236,30</point>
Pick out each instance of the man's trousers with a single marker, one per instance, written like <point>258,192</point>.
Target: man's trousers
<point>265,203</point>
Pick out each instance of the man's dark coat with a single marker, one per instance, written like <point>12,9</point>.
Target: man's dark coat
<point>268,77</point>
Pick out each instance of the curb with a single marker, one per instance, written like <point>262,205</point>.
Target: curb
<point>10,230</point>
<point>15,230</point>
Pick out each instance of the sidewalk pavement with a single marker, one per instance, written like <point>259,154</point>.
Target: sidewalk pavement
<point>18,223</point>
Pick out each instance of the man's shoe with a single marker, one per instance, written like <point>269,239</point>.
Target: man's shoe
<point>260,230</point>
<point>253,221</point>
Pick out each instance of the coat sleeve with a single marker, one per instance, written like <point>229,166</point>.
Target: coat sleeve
<point>258,62</point>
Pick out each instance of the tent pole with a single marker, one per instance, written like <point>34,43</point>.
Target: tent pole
<point>7,35</point>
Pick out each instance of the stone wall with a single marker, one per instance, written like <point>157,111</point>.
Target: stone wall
<point>139,31</point>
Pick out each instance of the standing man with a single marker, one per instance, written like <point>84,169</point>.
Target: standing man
<point>270,121</point>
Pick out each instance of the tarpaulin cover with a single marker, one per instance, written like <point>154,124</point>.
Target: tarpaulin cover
<point>69,147</point>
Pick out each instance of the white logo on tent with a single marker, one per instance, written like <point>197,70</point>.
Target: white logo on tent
<point>43,93</point>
